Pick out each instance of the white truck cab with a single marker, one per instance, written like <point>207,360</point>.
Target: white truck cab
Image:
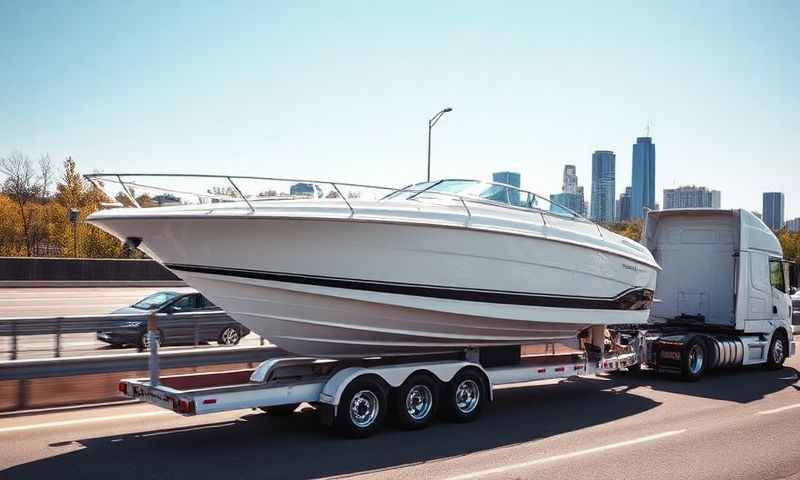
<point>725,277</point>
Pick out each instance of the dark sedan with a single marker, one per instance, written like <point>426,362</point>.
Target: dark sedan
<point>182,325</point>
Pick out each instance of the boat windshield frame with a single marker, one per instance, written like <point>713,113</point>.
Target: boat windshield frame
<point>414,192</point>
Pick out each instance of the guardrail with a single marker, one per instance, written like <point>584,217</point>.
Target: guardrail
<point>185,328</point>
<point>128,362</point>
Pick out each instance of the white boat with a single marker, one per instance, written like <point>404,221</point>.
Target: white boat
<point>435,267</point>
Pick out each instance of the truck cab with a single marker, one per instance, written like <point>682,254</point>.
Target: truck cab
<point>724,278</point>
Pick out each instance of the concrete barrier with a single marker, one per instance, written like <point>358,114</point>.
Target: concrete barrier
<point>41,269</point>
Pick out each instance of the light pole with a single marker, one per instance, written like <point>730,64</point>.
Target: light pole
<point>74,218</point>
<point>431,123</point>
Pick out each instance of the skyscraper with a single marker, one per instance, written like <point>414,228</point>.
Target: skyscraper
<point>603,185</point>
<point>509,178</point>
<point>571,195</point>
<point>691,197</point>
<point>570,183</point>
<point>793,225</point>
<point>772,212</point>
<point>624,206</point>
<point>643,181</point>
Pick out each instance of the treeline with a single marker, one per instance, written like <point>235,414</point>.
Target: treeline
<point>35,202</point>
<point>790,241</point>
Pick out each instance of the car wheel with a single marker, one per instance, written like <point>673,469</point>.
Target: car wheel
<point>229,336</point>
<point>144,341</point>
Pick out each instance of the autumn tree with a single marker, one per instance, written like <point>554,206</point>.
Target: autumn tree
<point>23,185</point>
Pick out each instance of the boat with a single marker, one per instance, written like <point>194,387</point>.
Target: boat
<point>434,267</point>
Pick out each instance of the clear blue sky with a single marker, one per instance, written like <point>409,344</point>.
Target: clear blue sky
<point>343,90</point>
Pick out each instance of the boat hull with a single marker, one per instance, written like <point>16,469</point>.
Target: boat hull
<point>345,288</point>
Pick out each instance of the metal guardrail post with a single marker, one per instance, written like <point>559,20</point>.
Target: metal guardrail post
<point>196,334</point>
<point>13,340</point>
<point>261,340</point>
<point>152,334</point>
<point>58,338</point>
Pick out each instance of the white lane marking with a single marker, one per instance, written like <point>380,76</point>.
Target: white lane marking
<point>579,453</point>
<point>79,421</point>
<point>776,410</point>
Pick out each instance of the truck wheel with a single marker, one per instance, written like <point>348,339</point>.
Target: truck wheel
<point>465,397</point>
<point>416,402</point>
<point>694,360</point>
<point>777,351</point>
<point>280,410</point>
<point>362,408</point>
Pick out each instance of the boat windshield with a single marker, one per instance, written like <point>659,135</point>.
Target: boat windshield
<point>482,191</point>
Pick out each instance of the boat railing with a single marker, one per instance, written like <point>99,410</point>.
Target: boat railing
<point>140,190</point>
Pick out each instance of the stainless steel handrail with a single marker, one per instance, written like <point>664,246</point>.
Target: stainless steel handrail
<point>336,186</point>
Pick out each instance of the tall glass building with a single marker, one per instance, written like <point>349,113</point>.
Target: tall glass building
<point>509,178</point>
<point>772,213</point>
<point>643,181</point>
<point>604,180</point>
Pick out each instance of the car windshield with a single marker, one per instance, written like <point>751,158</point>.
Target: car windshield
<point>493,192</point>
<point>155,300</point>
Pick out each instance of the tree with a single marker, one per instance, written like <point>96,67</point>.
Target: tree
<point>23,186</point>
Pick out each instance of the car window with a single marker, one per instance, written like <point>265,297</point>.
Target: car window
<point>155,300</point>
<point>183,304</point>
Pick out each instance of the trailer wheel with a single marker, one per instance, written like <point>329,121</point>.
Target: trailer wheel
<point>777,351</point>
<point>694,360</point>
<point>362,408</point>
<point>280,410</point>
<point>465,396</point>
<point>416,401</point>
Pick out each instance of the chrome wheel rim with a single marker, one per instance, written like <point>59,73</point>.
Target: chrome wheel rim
<point>146,341</point>
<point>230,336</point>
<point>364,408</point>
<point>777,351</point>
<point>419,402</point>
<point>695,359</point>
<point>468,395</point>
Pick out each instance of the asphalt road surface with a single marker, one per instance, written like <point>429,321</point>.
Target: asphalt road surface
<point>731,424</point>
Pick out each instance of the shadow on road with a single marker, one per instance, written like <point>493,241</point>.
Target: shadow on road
<point>259,446</point>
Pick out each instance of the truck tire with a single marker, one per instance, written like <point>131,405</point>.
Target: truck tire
<point>362,408</point>
<point>694,359</point>
<point>465,396</point>
<point>777,351</point>
<point>416,402</point>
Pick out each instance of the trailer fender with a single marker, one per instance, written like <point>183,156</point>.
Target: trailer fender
<point>392,375</point>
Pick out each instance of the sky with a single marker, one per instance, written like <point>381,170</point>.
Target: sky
<point>343,90</point>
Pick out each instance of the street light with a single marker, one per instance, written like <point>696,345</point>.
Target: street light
<point>431,123</point>
<point>74,218</point>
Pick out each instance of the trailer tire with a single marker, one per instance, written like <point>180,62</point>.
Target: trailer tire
<point>362,408</point>
<point>694,359</point>
<point>777,351</point>
<point>416,402</point>
<point>465,396</point>
<point>280,410</point>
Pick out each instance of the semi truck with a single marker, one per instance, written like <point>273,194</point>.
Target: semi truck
<point>723,300</point>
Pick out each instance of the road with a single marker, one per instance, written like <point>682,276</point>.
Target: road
<point>732,424</point>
